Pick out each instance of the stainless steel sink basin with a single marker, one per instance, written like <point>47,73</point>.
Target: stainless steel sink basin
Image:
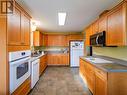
<point>98,60</point>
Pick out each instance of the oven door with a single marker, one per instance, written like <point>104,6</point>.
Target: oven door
<point>19,72</point>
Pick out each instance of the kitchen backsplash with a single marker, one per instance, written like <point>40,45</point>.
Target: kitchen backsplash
<point>114,52</point>
<point>56,48</point>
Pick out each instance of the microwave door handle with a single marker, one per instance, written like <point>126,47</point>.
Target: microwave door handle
<point>97,39</point>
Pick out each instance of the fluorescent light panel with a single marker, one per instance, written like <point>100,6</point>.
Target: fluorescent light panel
<point>62,18</point>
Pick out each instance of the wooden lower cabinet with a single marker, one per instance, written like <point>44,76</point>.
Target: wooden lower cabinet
<point>100,86</point>
<point>101,82</point>
<point>88,72</point>
<point>24,89</point>
<point>43,64</point>
<point>90,83</point>
<point>58,59</point>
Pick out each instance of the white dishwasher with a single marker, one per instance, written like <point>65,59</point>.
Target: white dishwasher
<point>34,72</point>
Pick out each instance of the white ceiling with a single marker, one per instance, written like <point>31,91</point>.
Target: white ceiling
<point>80,13</point>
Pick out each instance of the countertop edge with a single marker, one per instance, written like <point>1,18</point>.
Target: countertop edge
<point>34,58</point>
<point>99,67</point>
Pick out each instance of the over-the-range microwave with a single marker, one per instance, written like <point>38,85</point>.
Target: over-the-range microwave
<point>98,39</point>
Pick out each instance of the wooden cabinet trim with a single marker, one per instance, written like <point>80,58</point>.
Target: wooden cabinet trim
<point>24,88</point>
<point>17,5</point>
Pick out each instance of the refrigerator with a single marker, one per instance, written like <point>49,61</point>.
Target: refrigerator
<point>76,50</point>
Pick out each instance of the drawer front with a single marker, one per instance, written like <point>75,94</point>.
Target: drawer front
<point>101,73</point>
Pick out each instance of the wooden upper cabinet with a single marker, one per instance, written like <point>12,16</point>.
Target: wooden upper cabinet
<point>71,37</point>
<point>14,29</point>
<point>114,22</point>
<point>37,38</point>
<point>88,32</point>
<point>57,40</point>
<point>116,27</point>
<point>18,27</point>
<point>45,40</point>
<point>103,23</point>
<point>95,27</point>
<point>26,30</point>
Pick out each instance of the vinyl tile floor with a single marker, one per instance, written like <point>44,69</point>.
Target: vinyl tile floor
<point>60,81</point>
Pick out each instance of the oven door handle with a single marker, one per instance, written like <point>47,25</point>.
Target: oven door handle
<point>97,40</point>
<point>19,62</point>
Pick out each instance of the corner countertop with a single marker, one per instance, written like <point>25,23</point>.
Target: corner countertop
<point>34,58</point>
<point>107,67</point>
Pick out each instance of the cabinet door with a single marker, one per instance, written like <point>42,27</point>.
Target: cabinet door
<point>41,39</point>
<point>26,30</point>
<point>64,59</point>
<point>57,40</point>
<point>103,24</point>
<point>14,28</point>
<point>95,27</point>
<point>43,64</point>
<point>100,85</point>
<point>50,40</point>
<point>37,38</point>
<point>88,34</point>
<point>89,74</point>
<point>82,67</point>
<point>50,59</point>
<point>45,40</point>
<point>115,32</point>
<point>90,83</point>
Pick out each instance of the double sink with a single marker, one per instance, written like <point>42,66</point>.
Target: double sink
<point>106,64</point>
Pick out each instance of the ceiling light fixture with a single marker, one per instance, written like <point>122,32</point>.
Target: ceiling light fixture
<point>34,25</point>
<point>62,18</point>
